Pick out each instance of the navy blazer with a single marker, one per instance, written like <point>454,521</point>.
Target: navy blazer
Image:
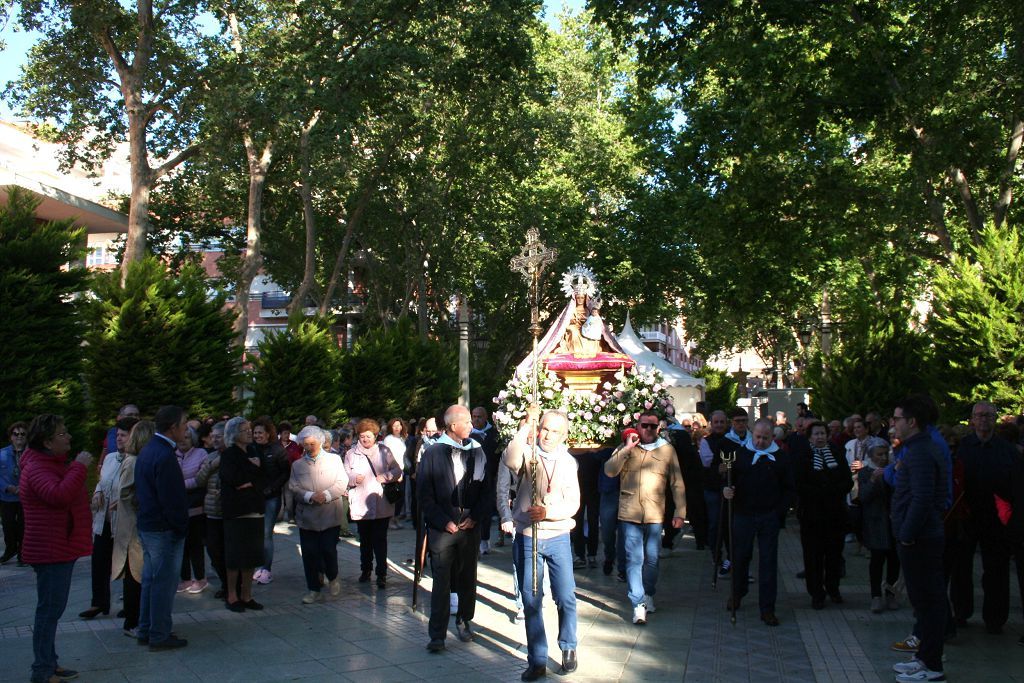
<point>439,495</point>
<point>919,497</point>
<point>160,489</point>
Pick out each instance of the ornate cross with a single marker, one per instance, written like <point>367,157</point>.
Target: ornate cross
<point>530,263</point>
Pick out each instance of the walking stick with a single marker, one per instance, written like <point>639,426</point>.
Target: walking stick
<point>533,477</point>
<point>419,559</point>
<point>728,459</point>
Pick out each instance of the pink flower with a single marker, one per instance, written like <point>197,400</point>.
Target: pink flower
<point>648,405</point>
<point>626,419</point>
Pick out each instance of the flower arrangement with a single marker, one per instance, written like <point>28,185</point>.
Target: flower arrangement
<point>594,418</point>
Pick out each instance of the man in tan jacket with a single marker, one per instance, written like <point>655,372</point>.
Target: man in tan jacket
<point>549,517</point>
<point>647,467</point>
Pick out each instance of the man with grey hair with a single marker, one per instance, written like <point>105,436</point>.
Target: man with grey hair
<point>454,494</point>
<point>551,517</point>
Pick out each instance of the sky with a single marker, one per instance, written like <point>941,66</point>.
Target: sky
<point>18,44</point>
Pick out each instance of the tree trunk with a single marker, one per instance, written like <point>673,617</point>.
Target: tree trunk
<point>352,224</point>
<point>1006,179</point>
<point>306,192</point>
<point>259,164</point>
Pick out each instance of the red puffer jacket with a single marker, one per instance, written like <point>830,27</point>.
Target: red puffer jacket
<point>58,526</point>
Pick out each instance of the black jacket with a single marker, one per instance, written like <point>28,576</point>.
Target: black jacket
<point>444,500</point>
<point>276,468</point>
<point>237,470</point>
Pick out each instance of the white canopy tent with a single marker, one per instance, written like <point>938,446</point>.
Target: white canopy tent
<point>684,388</point>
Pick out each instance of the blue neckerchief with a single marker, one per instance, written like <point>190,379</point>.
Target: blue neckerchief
<point>449,441</point>
<point>735,438</point>
<point>767,453</point>
<point>657,443</point>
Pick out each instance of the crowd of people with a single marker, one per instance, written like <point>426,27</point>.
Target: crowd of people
<point>918,498</point>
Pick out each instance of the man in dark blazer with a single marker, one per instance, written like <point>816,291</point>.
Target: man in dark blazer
<point>163,522</point>
<point>455,492</point>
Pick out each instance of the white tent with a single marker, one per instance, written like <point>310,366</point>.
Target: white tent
<point>684,388</point>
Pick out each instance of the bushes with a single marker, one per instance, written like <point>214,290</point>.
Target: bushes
<point>40,321</point>
<point>162,338</point>
<point>296,374</point>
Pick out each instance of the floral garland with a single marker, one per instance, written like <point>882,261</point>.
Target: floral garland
<point>594,418</point>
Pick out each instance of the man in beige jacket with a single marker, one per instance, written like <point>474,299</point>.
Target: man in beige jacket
<point>648,468</point>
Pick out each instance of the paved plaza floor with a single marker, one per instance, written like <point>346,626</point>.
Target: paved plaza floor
<point>370,635</point>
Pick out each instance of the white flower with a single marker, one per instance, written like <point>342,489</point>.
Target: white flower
<point>502,395</point>
<point>597,408</point>
<point>620,407</point>
<point>657,387</point>
<point>626,419</point>
<point>607,386</point>
<point>588,416</point>
<point>549,394</point>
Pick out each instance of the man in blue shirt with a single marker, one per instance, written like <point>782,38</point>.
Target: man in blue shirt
<point>163,522</point>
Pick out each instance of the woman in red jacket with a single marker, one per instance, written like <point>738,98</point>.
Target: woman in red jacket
<point>58,530</point>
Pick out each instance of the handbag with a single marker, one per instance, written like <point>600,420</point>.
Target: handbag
<point>392,489</point>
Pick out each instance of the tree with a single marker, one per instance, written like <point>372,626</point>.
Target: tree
<point>720,389</point>
<point>104,73</point>
<point>392,372</point>
<point>160,338</point>
<point>294,374</point>
<point>40,319</point>
<point>872,371</point>
<point>976,323</point>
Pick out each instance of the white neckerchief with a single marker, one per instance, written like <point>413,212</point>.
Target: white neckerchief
<point>449,441</point>
<point>458,468</point>
<point>657,443</point>
<point>735,438</point>
<point>767,453</point>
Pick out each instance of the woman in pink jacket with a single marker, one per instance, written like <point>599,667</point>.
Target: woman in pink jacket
<point>58,531</point>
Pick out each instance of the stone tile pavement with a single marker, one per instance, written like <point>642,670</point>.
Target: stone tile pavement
<point>370,635</point>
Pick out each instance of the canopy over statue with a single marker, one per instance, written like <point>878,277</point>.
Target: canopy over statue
<point>578,347</point>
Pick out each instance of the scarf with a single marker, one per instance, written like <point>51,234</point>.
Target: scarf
<point>823,459</point>
<point>735,438</point>
<point>459,464</point>
<point>657,443</point>
<point>766,453</point>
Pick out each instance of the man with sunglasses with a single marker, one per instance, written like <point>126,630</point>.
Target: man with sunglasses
<point>10,503</point>
<point>646,465</point>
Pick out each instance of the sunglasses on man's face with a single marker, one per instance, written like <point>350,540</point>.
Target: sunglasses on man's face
<point>648,425</point>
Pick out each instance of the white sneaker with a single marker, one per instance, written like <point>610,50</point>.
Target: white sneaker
<point>640,614</point>
<point>921,674</point>
<point>724,569</point>
<point>649,601</point>
<point>485,547</point>
<point>520,615</point>
<point>311,597</point>
<point>877,606</point>
<point>335,587</point>
<point>453,603</point>
<point>909,667</point>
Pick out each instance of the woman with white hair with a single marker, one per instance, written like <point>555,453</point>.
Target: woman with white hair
<point>193,565</point>
<point>242,504</point>
<point>319,483</point>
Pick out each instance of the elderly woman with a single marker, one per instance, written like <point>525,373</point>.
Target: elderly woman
<point>104,512</point>
<point>209,479</point>
<point>318,483</point>
<point>126,555</point>
<point>370,465</point>
<point>276,469</point>
<point>57,531</point>
<point>191,457</point>
<point>241,493</point>
<point>395,440</point>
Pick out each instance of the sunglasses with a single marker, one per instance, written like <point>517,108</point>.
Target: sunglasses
<point>18,434</point>
<point>648,425</point>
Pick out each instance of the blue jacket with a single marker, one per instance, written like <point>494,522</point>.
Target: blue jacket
<point>919,496</point>
<point>938,440</point>
<point>160,489</point>
<point>9,474</point>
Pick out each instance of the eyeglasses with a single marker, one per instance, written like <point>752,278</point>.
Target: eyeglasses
<point>18,434</point>
<point>987,416</point>
<point>648,425</point>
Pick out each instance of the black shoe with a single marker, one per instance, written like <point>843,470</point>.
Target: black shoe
<point>120,614</point>
<point>532,673</point>
<point>93,612</point>
<point>607,568</point>
<point>65,674</point>
<point>221,594</point>
<point>382,582</point>
<point>818,603</point>
<point>569,662</point>
<point>236,606</point>
<point>836,598</point>
<point>729,604</point>
<point>801,574</point>
<point>172,643</point>
<point>253,605</point>
<point>435,645</point>
<point>464,631</point>
<point>364,577</point>
<point>770,619</point>
<point>6,557</point>
<point>621,577</point>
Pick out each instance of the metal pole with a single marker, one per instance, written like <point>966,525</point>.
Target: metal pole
<point>728,460</point>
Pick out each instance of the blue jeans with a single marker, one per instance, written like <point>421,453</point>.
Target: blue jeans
<point>613,540</point>
<point>270,510</point>
<point>557,554</point>
<point>642,541</point>
<point>53,583</point>
<point>161,560</point>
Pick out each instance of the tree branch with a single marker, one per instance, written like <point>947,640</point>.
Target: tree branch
<point>970,205</point>
<point>177,159</point>
<point>1005,180</point>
